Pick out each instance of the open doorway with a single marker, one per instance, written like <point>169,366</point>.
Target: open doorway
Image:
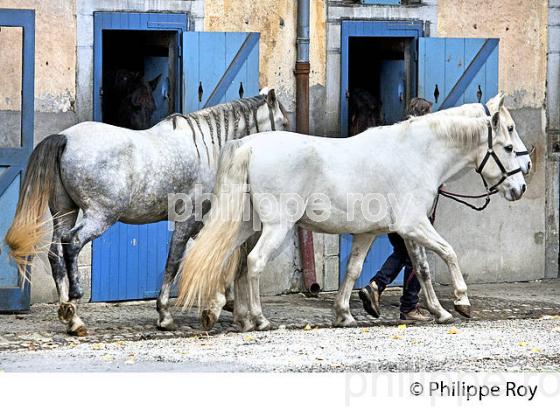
<point>381,81</point>
<point>139,77</point>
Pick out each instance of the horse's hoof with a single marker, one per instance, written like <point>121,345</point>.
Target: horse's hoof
<point>166,325</point>
<point>262,323</point>
<point>464,310</point>
<point>80,331</point>
<point>228,307</point>
<point>66,312</point>
<point>445,319</point>
<point>208,319</point>
<point>244,325</point>
<point>345,322</point>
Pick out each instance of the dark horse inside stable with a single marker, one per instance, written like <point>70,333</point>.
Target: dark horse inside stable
<point>128,99</point>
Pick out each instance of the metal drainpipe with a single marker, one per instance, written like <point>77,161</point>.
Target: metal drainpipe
<point>302,126</point>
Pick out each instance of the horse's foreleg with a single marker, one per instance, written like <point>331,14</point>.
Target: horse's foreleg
<point>181,235</point>
<point>241,311</point>
<point>360,247</point>
<point>420,262</point>
<point>425,235</point>
<point>90,227</point>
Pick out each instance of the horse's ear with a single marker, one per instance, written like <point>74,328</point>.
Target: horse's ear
<point>501,98</point>
<point>496,120</point>
<point>153,83</point>
<point>271,97</point>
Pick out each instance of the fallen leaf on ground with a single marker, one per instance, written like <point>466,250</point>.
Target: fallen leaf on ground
<point>307,327</point>
<point>248,338</point>
<point>522,344</point>
<point>365,330</point>
<point>98,346</point>
<point>107,358</point>
<point>396,337</point>
<point>402,326</point>
<point>535,350</point>
<point>453,330</point>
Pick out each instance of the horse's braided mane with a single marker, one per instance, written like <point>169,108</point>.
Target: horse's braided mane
<point>245,106</point>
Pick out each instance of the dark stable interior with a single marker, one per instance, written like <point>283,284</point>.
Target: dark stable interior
<point>149,53</point>
<point>378,66</point>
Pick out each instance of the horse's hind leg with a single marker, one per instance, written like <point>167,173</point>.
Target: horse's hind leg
<point>425,235</point>
<point>268,245</point>
<point>420,262</point>
<point>182,233</point>
<point>211,313</point>
<point>360,247</point>
<point>90,227</point>
<point>62,223</point>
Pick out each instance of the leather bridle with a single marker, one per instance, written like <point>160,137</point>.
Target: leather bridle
<point>490,190</point>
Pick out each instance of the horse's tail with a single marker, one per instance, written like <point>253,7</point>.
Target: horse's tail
<point>212,261</point>
<point>29,225</point>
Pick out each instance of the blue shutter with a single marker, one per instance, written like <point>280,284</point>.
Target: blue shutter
<point>463,70</point>
<point>216,66</point>
<point>15,295</point>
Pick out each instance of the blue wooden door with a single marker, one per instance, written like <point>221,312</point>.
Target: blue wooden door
<point>128,260</point>
<point>392,74</point>
<point>17,32</point>
<point>456,71</point>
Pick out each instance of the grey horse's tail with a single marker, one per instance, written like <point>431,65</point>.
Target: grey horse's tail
<point>211,263</point>
<point>29,226</point>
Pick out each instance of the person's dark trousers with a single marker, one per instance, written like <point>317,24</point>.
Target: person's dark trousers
<point>390,270</point>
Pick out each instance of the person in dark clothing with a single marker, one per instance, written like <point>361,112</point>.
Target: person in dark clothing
<point>371,294</point>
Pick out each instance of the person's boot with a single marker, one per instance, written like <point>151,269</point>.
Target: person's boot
<point>415,315</point>
<point>370,299</point>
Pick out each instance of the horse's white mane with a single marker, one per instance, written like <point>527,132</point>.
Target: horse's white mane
<point>461,131</point>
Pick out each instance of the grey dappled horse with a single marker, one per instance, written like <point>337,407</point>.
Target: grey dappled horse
<point>115,174</point>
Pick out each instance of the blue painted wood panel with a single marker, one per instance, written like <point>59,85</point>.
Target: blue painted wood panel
<point>392,92</point>
<point>207,56</point>
<point>128,260</point>
<point>442,63</point>
<point>382,248</point>
<point>15,293</point>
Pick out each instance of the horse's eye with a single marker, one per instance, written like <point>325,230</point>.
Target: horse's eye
<point>510,129</point>
<point>509,148</point>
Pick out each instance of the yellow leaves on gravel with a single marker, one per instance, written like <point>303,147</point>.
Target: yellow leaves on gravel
<point>307,327</point>
<point>522,344</point>
<point>452,330</point>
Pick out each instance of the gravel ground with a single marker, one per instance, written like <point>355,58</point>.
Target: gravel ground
<point>504,345</point>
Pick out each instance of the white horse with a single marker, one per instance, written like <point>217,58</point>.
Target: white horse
<point>322,183</point>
